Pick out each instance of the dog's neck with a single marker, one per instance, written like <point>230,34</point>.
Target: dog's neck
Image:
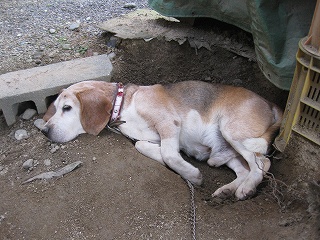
<point>117,103</point>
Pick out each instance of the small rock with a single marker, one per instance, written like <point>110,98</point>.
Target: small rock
<point>66,46</point>
<point>28,114</point>
<point>3,170</point>
<point>38,55</point>
<point>88,18</point>
<point>112,42</point>
<point>54,148</point>
<point>52,54</point>
<point>237,82</point>
<point>111,55</point>
<point>35,163</point>
<point>52,30</point>
<point>39,123</point>
<point>130,5</point>
<point>74,26</point>
<point>21,134</point>
<point>47,162</point>
<point>28,164</point>
<point>37,61</point>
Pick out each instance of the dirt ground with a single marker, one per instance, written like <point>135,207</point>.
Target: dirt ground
<point>119,194</point>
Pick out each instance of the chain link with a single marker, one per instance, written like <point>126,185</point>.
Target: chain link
<point>193,209</point>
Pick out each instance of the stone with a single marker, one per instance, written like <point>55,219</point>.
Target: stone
<point>47,162</point>
<point>28,114</point>
<point>130,5</point>
<point>21,134</point>
<point>75,25</point>
<point>66,46</point>
<point>28,164</point>
<point>39,123</point>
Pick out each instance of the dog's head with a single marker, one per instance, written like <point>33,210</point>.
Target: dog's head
<point>82,108</point>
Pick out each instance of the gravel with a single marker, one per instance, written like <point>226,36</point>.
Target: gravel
<point>40,32</point>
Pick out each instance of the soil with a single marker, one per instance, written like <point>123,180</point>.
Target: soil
<point>119,194</point>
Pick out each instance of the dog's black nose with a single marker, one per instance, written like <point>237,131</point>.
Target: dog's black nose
<point>45,131</point>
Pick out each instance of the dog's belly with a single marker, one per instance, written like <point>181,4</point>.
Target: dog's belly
<point>199,139</point>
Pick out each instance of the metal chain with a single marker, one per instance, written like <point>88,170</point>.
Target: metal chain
<point>193,209</point>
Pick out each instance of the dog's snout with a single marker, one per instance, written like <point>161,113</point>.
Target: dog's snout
<point>45,131</point>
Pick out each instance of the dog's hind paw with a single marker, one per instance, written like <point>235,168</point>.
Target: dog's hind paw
<point>243,193</point>
<point>223,193</point>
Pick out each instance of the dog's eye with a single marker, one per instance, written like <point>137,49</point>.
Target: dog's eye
<point>66,108</point>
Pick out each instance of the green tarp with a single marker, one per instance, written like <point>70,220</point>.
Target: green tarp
<point>276,27</point>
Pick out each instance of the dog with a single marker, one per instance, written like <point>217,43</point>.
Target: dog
<point>216,123</point>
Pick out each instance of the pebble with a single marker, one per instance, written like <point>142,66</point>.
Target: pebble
<point>130,5</point>
<point>28,114</point>
<point>52,54</point>
<point>37,55</point>
<point>111,55</point>
<point>54,148</point>
<point>21,134</point>
<point>66,46</point>
<point>47,162</point>
<point>112,43</point>
<point>37,61</point>
<point>52,30</point>
<point>28,164</point>
<point>74,26</point>
<point>3,170</point>
<point>39,123</point>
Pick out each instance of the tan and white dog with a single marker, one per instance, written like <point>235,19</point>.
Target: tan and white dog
<point>217,123</point>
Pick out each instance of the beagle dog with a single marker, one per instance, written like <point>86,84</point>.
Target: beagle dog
<point>211,122</point>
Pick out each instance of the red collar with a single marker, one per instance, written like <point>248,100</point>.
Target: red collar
<point>117,104</point>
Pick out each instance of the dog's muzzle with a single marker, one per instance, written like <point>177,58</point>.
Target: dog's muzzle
<point>45,131</point>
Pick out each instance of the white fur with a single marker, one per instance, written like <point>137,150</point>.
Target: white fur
<point>65,125</point>
<point>259,145</point>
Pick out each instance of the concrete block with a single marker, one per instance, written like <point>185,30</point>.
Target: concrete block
<point>36,84</point>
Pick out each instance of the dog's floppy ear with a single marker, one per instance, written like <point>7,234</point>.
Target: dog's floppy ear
<point>50,112</point>
<point>95,110</point>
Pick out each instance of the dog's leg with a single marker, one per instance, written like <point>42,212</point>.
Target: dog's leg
<point>151,150</point>
<point>240,167</point>
<point>254,178</point>
<point>171,156</point>
<point>262,165</point>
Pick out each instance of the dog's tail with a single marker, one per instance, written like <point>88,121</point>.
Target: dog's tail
<point>272,131</point>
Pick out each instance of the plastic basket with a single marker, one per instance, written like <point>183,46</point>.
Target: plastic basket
<point>302,113</point>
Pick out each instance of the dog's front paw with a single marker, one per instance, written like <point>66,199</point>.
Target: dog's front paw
<point>195,178</point>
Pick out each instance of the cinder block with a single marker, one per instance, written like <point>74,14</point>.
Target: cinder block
<point>36,84</point>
